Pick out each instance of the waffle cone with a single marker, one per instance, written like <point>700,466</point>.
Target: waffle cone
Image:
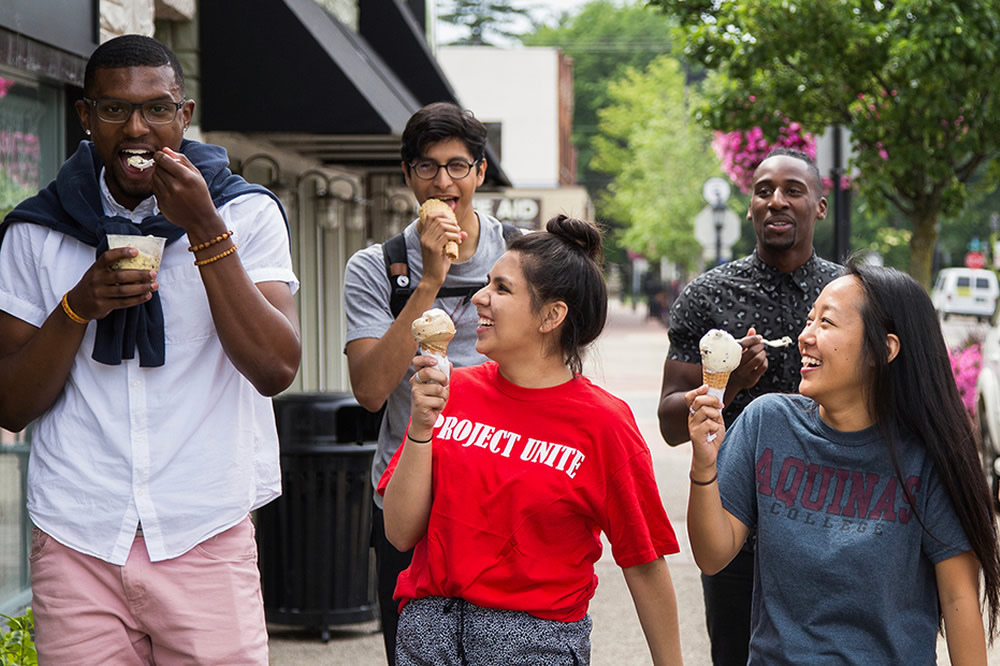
<point>440,348</point>
<point>434,207</point>
<point>715,379</point>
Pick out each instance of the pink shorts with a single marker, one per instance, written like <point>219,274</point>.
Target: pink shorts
<point>203,607</point>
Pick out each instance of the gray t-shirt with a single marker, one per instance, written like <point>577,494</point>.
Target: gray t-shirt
<point>844,572</point>
<point>366,303</point>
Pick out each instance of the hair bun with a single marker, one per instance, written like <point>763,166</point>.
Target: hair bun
<point>578,233</point>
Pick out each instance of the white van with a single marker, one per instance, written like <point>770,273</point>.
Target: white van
<point>965,291</point>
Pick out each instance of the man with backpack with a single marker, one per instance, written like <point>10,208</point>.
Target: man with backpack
<point>444,157</point>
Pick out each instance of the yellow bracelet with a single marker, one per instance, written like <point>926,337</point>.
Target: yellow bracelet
<point>69,311</point>
<point>217,239</point>
<point>225,253</point>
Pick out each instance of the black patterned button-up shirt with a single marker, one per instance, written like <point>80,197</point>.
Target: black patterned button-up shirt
<point>743,293</point>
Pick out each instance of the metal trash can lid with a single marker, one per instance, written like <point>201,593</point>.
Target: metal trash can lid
<point>324,418</point>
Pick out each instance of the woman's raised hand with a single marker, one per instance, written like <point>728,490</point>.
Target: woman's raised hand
<point>705,425</point>
<point>428,396</point>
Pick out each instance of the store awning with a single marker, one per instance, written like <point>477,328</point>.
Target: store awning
<point>288,71</point>
<point>393,33</point>
<point>289,66</point>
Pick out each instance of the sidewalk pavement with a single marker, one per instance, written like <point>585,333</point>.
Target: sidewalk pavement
<point>628,361</point>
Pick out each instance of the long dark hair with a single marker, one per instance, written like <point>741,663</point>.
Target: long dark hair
<point>563,264</point>
<point>915,395</point>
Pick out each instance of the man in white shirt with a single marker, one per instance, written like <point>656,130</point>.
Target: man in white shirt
<point>154,433</point>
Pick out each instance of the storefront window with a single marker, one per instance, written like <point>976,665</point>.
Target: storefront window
<point>30,137</point>
<point>31,149</point>
<point>15,528</point>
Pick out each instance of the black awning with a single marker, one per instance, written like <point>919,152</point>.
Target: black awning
<point>290,70</point>
<point>394,33</point>
<point>289,66</point>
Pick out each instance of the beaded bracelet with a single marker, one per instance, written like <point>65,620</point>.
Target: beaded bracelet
<point>217,239</point>
<point>419,441</point>
<point>69,311</point>
<point>704,483</point>
<point>222,254</point>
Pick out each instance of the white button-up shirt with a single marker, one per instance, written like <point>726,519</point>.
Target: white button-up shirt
<point>188,448</point>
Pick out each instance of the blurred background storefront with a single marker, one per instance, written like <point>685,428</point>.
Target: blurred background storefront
<point>43,51</point>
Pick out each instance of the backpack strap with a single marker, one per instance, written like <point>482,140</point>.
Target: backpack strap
<point>397,269</point>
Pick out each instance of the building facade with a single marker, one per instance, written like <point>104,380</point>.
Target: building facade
<point>525,97</point>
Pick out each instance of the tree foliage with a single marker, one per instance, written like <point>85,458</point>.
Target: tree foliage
<point>604,40</point>
<point>487,22</point>
<point>910,78</point>
<point>659,158</point>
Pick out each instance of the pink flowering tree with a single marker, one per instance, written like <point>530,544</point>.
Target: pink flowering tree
<point>965,365</point>
<point>740,152</point>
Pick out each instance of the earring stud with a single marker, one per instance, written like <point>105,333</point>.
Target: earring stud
<point>87,132</point>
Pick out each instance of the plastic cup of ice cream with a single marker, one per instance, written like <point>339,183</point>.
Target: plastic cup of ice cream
<point>150,251</point>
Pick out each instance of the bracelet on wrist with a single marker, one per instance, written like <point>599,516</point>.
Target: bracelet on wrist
<point>704,483</point>
<point>217,239</point>
<point>224,253</point>
<point>69,311</point>
<point>419,441</point>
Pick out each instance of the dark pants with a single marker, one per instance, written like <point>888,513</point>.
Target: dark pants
<point>389,563</point>
<point>728,596</point>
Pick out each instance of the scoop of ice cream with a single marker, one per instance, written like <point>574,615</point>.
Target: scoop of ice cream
<point>433,330</point>
<point>140,162</point>
<point>150,251</point>
<point>720,352</point>
<point>433,207</point>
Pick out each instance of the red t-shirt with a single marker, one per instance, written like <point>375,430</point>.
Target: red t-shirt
<point>524,481</point>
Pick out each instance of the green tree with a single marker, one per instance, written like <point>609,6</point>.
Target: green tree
<point>604,40</point>
<point>659,158</point>
<point>483,19</point>
<point>910,78</point>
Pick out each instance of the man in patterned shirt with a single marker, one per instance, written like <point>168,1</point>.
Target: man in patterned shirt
<point>767,295</point>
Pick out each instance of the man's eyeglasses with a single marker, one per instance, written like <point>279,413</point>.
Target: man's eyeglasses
<point>119,111</point>
<point>428,169</point>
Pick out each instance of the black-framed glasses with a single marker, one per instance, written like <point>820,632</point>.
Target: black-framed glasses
<point>119,111</point>
<point>457,169</point>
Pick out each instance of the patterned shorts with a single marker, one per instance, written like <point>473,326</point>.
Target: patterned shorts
<point>437,631</point>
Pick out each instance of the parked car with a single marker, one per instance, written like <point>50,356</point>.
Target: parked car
<point>965,291</point>
<point>988,405</point>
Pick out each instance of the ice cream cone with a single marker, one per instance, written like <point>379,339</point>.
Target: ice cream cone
<point>716,380</point>
<point>433,207</point>
<point>720,355</point>
<point>431,348</point>
<point>433,331</point>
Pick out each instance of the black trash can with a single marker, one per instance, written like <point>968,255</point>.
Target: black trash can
<point>314,541</point>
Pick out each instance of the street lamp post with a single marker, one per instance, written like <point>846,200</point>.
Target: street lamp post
<point>719,218</point>
<point>716,191</point>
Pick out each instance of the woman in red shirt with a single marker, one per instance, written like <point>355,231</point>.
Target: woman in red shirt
<point>510,471</point>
